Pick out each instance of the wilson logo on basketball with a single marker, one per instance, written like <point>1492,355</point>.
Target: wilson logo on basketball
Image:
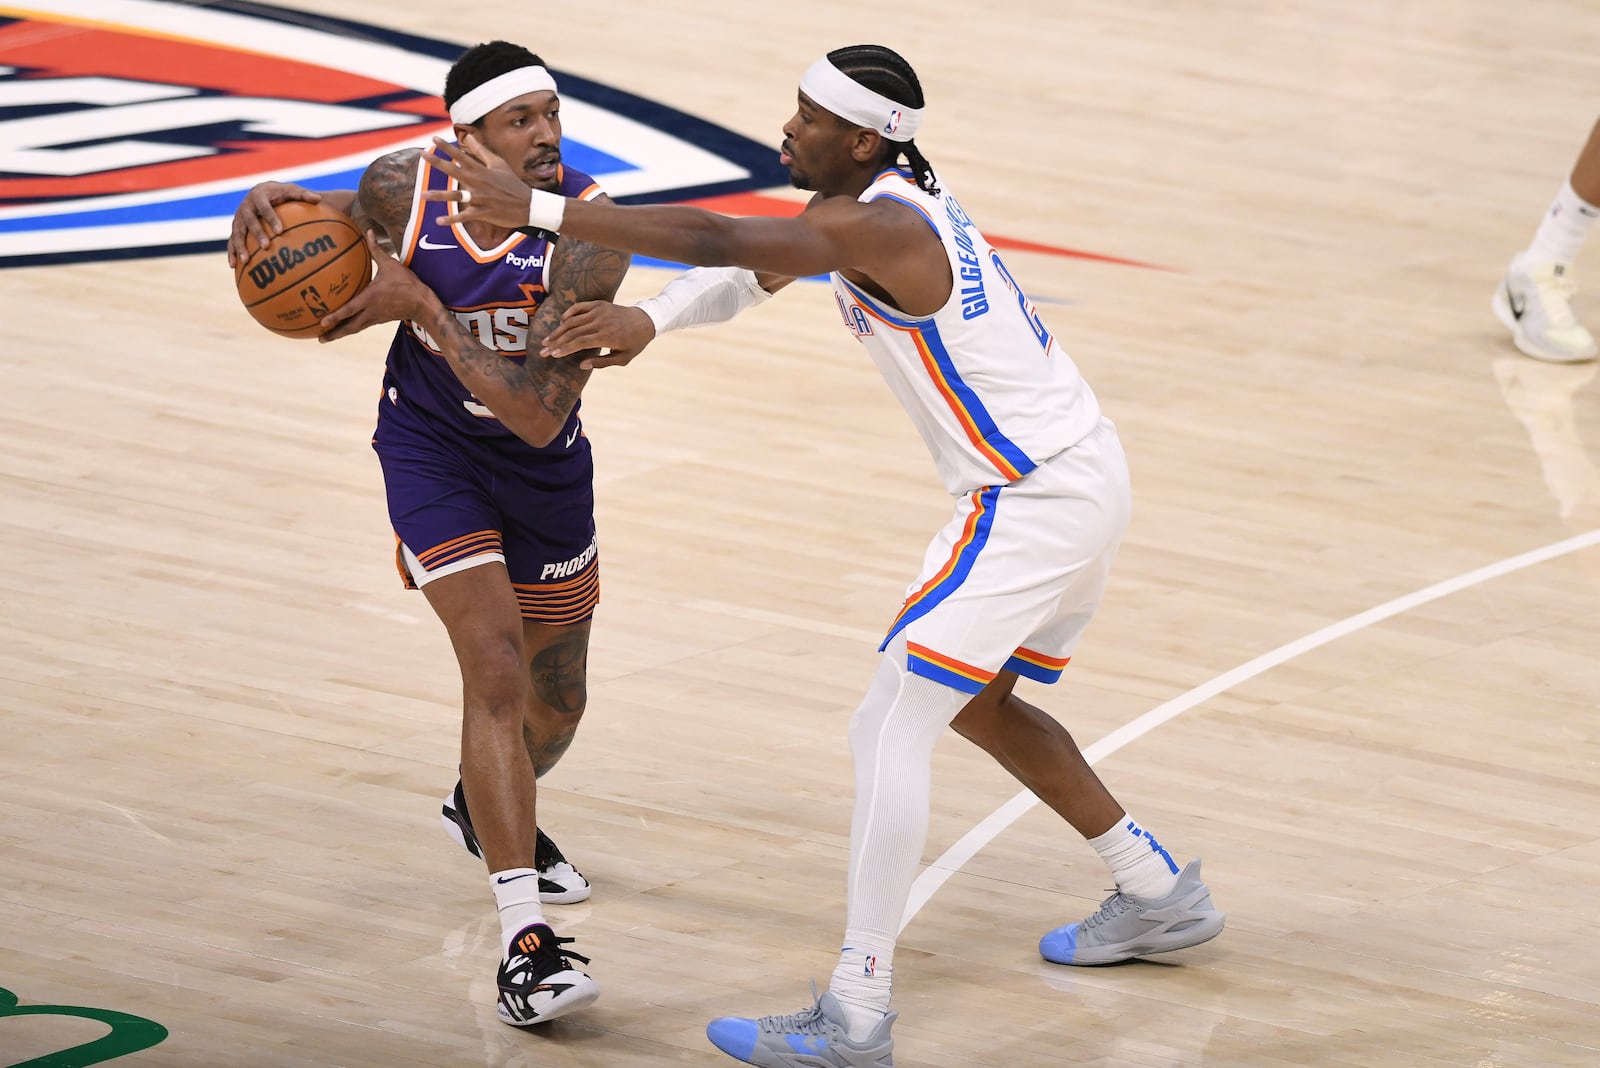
<point>265,272</point>
<point>136,132</point>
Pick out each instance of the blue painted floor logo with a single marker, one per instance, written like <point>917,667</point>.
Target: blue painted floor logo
<point>132,127</point>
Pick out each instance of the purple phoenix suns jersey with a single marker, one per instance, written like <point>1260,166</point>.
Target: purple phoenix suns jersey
<point>493,292</point>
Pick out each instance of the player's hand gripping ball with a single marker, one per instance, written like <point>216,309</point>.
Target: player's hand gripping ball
<point>316,265</point>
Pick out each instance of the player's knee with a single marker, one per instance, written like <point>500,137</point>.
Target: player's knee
<point>558,674</point>
<point>493,681</point>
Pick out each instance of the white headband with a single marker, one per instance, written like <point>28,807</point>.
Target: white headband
<point>847,98</point>
<point>496,91</point>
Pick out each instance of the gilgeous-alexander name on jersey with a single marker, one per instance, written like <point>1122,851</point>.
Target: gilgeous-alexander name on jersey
<point>983,379</point>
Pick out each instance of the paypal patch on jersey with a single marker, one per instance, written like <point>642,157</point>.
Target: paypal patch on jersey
<point>133,127</point>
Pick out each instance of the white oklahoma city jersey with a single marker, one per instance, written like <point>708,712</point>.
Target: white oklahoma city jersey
<point>982,378</point>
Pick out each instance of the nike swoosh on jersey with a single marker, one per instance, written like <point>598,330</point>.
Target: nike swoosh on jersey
<point>425,243</point>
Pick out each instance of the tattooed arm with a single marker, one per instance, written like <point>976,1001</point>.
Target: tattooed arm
<point>383,199</point>
<point>581,271</point>
<point>533,396</point>
<point>382,203</point>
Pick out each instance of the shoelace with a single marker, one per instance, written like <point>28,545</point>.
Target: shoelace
<point>553,945</point>
<point>805,1022</point>
<point>1109,909</point>
<point>1555,294</point>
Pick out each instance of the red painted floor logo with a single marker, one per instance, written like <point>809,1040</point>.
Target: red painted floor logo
<point>132,127</point>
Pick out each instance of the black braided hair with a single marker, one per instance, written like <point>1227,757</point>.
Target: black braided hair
<point>482,63</point>
<point>886,72</point>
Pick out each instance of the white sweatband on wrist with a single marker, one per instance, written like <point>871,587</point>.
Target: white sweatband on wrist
<point>703,296</point>
<point>833,89</point>
<point>501,90</point>
<point>546,210</point>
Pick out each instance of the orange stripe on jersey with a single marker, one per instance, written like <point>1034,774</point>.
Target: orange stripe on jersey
<point>967,533</point>
<point>456,541</point>
<point>470,247</point>
<point>534,293</point>
<point>560,593</point>
<point>1049,663</point>
<point>483,541</point>
<point>400,563</point>
<point>560,611</point>
<point>950,663</point>
<point>964,417</point>
<point>586,575</point>
<point>953,402</point>
<point>589,193</point>
<point>416,221</point>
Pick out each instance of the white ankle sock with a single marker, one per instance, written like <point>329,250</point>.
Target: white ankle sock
<point>516,895</point>
<point>1137,861</point>
<point>1562,231</point>
<point>861,982</point>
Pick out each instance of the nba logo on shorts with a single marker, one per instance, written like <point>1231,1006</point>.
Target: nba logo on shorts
<point>894,122</point>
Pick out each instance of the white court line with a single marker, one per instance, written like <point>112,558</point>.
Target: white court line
<point>952,860</point>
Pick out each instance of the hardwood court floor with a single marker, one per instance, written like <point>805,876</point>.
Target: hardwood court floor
<point>225,731</point>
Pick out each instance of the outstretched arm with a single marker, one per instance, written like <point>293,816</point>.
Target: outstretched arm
<point>832,234</point>
<point>700,297</point>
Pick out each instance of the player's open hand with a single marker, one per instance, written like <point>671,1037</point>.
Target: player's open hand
<point>599,324</point>
<point>489,190</point>
<point>394,293</point>
<point>254,220</point>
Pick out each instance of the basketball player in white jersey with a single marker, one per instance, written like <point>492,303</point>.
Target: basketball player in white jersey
<point>1007,587</point>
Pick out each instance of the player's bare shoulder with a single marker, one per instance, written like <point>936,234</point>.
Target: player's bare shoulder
<point>387,191</point>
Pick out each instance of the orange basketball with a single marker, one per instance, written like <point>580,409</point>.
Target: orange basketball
<point>316,265</point>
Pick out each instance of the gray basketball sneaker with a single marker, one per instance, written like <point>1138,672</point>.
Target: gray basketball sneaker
<point>1126,927</point>
<point>811,1038</point>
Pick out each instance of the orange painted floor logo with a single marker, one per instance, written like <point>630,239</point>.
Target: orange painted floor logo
<point>133,127</point>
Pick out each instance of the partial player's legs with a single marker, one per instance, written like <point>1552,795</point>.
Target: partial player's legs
<point>478,607</point>
<point>557,668</point>
<point>892,736</point>
<point>1157,908</point>
<point>1037,750</point>
<point>1534,299</point>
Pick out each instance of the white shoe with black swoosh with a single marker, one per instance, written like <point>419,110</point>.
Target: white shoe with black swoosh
<point>559,882</point>
<point>1534,301</point>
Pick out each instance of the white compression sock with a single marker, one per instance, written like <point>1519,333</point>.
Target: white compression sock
<point>891,737</point>
<point>862,981</point>
<point>516,895</point>
<point>1562,231</point>
<point>1137,861</point>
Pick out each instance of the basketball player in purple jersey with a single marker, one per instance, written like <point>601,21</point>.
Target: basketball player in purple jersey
<point>490,481</point>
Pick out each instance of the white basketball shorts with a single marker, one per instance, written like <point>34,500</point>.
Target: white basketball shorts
<point>1012,580</point>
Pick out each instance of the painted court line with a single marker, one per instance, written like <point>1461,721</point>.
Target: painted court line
<point>952,860</point>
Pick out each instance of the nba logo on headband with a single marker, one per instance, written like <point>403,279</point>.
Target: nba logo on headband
<point>894,122</point>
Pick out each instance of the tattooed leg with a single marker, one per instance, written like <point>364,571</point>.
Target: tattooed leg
<point>558,659</point>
